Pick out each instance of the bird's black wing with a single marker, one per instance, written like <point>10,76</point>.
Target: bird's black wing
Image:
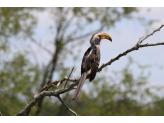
<point>86,64</point>
<point>95,60</point>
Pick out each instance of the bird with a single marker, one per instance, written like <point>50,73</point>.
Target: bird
<point>90,61</point>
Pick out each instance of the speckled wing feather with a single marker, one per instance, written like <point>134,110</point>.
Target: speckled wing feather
<point>86,64</point>
<point>95,60</point>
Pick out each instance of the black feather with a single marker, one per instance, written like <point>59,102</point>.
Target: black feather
<point>79,86</point>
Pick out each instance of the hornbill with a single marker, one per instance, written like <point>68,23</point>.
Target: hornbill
<point>90,61</point>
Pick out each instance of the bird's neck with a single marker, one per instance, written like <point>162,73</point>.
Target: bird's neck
<point>94,45</point>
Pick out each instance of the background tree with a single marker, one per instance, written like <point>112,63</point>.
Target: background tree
<point>63,37</point>
<point>16,71</point>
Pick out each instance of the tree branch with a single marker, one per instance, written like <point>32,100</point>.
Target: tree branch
<point>136,47</point>
<point>37,43</point>
<point>68,77</point>
<point>42,94</point>
<point>57,83</point>
<point>152,33</point>
<point>83,36</point>
<point>67,106</point>
<point>146,45</point>
<point>0,114</point>
<point>57,93</point>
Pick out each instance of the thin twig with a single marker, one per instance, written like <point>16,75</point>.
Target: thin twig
<point>67,106</point>
<point>82,36</point>
<point>152,33</point>
<point>146,45</point>
<point>45,87</point>
<point>57,83</point>
<point>68,77</point>
<point>37,106</point>
<point>37,43</point>
<point>139,42</point>
<point>55,86</point>
<point>26,102</point>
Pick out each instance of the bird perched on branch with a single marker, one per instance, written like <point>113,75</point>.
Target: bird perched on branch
<point>90,61</point>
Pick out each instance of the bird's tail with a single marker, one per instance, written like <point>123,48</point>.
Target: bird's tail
<point>79,86</point>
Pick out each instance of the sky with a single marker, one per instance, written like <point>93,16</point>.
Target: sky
<point>125,34</point>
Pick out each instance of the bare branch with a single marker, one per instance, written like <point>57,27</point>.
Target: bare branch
<point>136,47</point>
<point>68,77</point>
<point>126,52</point>
<point>57,83</point>
<point>83,36</point>
<point>146,45</point>
<point>152,33</point>
<point>41,46</point>
<point>44,88</point>
<point>139,42</point>
<point>39,96</point>
<point>37,43</point>
<point>67,106</point>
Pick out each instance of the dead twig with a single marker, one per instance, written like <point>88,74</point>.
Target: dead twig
<point>67,106</point>
<point>56,84</point>
<point>68,77</point>
<point>146,45</point>
<point>37,43</point>
<point>152,33</point>
<point>42,94</point>
<point>45,87</point>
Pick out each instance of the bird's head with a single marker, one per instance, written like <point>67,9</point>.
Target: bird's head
<point>96,38</point>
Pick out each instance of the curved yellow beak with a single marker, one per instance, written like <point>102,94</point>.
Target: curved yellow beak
<point>106,36</point>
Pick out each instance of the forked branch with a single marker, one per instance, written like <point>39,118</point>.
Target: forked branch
<point>44,91</point>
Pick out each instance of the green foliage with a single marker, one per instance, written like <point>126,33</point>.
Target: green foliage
<point>18,83</point>
<point>13,20</point>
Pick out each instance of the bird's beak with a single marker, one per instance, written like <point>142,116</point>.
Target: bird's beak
<point>106,36</point>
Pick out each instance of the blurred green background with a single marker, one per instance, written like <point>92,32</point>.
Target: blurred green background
<point>38,44</point>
